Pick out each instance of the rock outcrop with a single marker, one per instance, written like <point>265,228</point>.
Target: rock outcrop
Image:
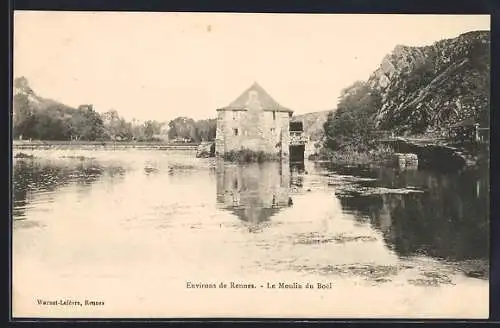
<point>427,89</point>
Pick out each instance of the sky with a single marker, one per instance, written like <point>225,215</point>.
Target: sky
<point>163,65</point>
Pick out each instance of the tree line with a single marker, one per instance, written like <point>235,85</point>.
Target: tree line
<point>43,119</point>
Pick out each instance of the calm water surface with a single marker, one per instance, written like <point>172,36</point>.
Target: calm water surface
<point>132,227</point>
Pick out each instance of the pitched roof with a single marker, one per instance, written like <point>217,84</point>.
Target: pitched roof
<point>266,101</point>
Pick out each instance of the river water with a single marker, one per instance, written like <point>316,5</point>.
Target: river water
<point>139,230</point>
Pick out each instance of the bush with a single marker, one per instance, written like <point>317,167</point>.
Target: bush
<point>249,156</point>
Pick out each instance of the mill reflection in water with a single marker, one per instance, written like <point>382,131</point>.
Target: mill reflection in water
<point>254,192</point>
<point>174,214</point>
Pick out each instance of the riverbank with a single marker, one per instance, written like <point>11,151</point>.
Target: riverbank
<point>420,152</point>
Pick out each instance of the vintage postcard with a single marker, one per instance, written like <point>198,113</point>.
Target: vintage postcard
<point>209,165</point>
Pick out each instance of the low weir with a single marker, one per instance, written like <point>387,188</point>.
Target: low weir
<point>101,145</point>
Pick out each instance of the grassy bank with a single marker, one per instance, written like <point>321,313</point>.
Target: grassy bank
<point>379,155</point>
<point>249,156</point>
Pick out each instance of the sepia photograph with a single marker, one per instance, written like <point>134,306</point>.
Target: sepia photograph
<point>250,165</point>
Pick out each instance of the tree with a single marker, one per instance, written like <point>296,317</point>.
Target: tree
<point>353,124</point>
<point>23,119</point>
<point>152,128</point>
<point>183,127</point>
<point>206,130</point>
<point>172,132</point>
<point>116,127</point>
<point>149,129</point>
<point>88,125</point>
<point>187,128</point>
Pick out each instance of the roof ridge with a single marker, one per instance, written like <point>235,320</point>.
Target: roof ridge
<point>267,102</point>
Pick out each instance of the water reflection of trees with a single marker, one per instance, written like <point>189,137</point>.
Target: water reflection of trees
<point>449,220</point>
<point>31,177</point>
<point>253,192</point>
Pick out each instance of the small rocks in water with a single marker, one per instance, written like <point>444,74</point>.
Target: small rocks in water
<point>475,274</point>
<point>308,189</point>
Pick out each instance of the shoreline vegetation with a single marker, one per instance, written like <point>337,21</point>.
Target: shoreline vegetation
<point>249,156</point>
<point>430,156</point>
<point>352,156</point>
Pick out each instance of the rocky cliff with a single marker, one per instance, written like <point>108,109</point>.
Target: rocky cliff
<point>426,89</point>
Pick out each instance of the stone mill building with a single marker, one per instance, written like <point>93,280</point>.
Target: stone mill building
<point>257,122</point>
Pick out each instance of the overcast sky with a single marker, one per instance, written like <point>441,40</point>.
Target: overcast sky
<point>163,65</point>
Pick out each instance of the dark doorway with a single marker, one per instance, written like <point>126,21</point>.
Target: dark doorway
<point>297,153</point>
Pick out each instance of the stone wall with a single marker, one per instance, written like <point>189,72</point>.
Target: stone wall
<point>253,129</point>
<point>284,124</point>
<point>406,160</point>
<point>219,134</point>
